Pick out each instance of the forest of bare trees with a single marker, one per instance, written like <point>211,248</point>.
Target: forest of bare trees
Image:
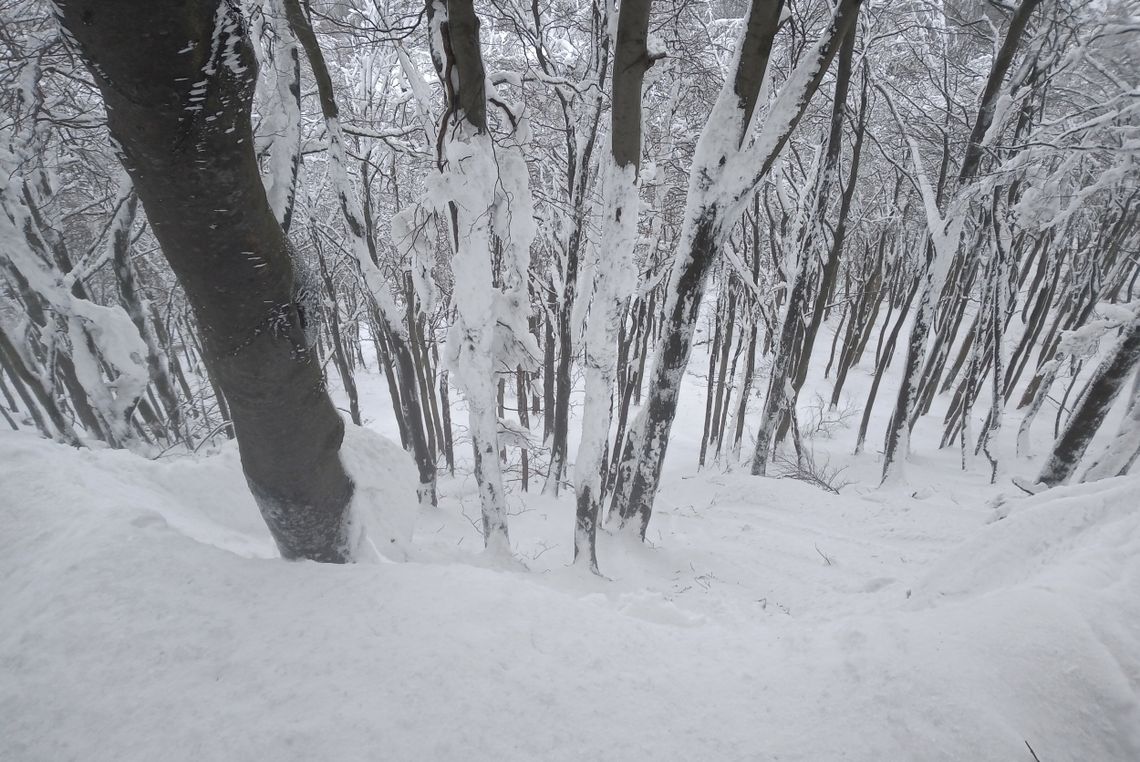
<point>532,220</point>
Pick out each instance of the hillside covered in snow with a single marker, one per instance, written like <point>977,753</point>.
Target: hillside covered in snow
<point>146,616</point>
<point>631,380</point>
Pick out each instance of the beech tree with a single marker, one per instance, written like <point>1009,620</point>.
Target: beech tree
<point>484,191</point>
<point>613,268</point>
<point>178,85</point>
<point>730,162</point>
<point>540,212</point>
<point>1091,410</point>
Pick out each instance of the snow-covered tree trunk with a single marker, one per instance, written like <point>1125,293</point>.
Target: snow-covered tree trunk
<point>487,196</point>
<point>780,393</point>
<point>43,409</point>
<point>779,399</point>
<point>995,303</point>
<point>1118,455</point>
<point>178,84</point>
<point>1090,411</point>
<point>96,348</point>
<point>944,246</point>
<point>941,243</point>
<point>830,270</point>
<point>731,159</point>
<point>581,109</point>
<point>613,269</point>
<point>281,73</point>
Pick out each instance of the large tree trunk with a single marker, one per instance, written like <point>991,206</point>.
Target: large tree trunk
<point>614,272</point>
<point>178,81</point>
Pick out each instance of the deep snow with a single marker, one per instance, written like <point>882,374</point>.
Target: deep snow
<point>144,617</point>
<point>144,614</point>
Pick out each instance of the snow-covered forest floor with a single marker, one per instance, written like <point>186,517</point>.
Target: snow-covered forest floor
<point>607,248</point>
<point>145,617</point>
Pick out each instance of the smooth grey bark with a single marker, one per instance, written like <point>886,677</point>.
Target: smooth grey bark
<point>177,80</point>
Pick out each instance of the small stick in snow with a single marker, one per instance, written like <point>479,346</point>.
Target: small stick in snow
<point>823,555</point>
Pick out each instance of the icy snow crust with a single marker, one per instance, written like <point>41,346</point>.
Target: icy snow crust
<point>145,617</point>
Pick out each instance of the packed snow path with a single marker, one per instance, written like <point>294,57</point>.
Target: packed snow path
<point>144,618</point>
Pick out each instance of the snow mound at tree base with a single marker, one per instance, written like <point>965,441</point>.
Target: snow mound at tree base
<point>144,617</point>
<point>383,500</point>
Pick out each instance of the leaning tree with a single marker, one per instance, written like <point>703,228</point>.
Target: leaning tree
<point>177,80</point>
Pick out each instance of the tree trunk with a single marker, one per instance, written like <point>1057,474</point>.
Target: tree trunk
<point>830,270</point>
<point>1118,456</point>
<point>897,441</point>
<point>614,275</point>
<point>178,84</point>
<point>1093,406</point>
<point>703,231</point>
<point>492,253</point>
<point>358,222</point>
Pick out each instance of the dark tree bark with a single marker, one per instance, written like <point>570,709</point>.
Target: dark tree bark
<point>331,314</point>
<point>524,421</point>
<point>549,361</point>
<point>830,269</point>
<point>1002,61</point>
<point>724,377</point>
<point>1092,408</point>
<point>881,364</point>
<point>580,139</point>
<point>705,229</point>
<point>1121,453</point>
<point>896,441</point>
<point>178,84</point>
<point>711,387</point>
<point>751,222</point>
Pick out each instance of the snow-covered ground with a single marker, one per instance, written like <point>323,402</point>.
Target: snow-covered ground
<point>143,616</point>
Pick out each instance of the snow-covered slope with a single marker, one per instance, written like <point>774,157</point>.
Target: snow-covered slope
<point>144,617</point>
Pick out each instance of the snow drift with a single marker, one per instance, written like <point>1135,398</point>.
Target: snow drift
<point>145,616</point>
